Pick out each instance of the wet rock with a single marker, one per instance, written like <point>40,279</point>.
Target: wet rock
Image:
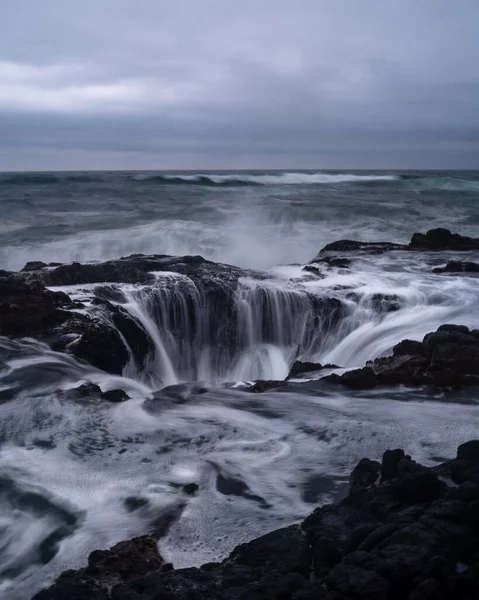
<point>385,303</point>
<point>417,486</point>
<point>300,367</point>
<point>409,348</point>
<point>30,310</point>
<point>458,267</point>
<point>332,261</point>
<point>101,346</point>
<point>115,396</point>
<point>126,561</point>
<point>312,269</point>
<point>133,503</point>
<point>432,240</point>
<point>447,358</point>
<point>265,386</point>
<point>191,488</point>
<point>443,239</point>
<point>469,451</point>
<point>354,246</point>
<point>34,265</point>
<point>365,474</point>
<point>390,463</point>
<point>85,390</point>
<point>359,379</point>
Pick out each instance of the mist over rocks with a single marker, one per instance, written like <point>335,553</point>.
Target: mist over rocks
<point>404,531</point>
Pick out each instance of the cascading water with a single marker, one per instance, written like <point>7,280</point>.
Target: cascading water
<point>253,330</point>
<point>247,328</point>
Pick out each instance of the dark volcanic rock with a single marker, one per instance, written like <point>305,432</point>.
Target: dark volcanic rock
<point>303,367</point>
<point>405,537</point>
<point>447,358</point>
<point>30,310</point>
<point>354,246</point>
<point>434,239</point>
<point>127,561</point>
<point>443,239</point>
<point>190,488</point>
<point>458,267</point>
<point>359,379</point>
<point>265,386</point>
<point>115,396</point>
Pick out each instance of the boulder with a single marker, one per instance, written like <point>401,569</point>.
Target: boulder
<point>433,240</point>
<point>300,367</point>
<point>115,396</point>
<point>265,386</point>
<point>458,267</point>
<point>443,239</point>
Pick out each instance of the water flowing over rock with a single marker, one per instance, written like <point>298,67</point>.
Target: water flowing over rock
<point>404,532</point>
<point>447,358</point>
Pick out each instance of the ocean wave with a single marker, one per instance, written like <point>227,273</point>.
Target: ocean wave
<point>446,184</point>
<point>45,178</point>
<point>237,179</point>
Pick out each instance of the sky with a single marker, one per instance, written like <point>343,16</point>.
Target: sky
<point>222,84</point>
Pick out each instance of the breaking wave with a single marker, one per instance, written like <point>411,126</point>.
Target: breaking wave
<point>236,179</point>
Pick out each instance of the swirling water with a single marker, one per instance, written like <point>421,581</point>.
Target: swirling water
<point>69,466</point>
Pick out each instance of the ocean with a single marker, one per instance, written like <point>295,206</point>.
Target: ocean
<point>249,219</point>
<point>78,474</point>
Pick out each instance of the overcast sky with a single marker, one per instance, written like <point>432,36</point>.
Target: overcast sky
<point>252,84</point>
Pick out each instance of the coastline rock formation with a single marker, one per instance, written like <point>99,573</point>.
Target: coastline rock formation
<point>404,532</point>
<point>433,240</point>
<point>447,358</point>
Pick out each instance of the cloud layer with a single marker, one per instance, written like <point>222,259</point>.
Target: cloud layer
<point>256,84</point>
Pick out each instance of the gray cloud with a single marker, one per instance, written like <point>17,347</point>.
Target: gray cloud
<point>215,84</point>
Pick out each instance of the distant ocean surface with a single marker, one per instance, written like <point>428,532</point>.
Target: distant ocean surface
<point>251,219</point>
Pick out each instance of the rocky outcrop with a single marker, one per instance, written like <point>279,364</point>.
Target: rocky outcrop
<point>433,240</point>
<point>137,268</point>
<point>404,532</point>
<point>29,309</point>
<point>443,239</point>
<point>300,368</point>
<point>447,358</point>
<point>456,266</point>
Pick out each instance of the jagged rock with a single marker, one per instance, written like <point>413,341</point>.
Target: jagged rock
<point>365,474</point>
<point>384,303</point>
<point>355,246</point>
<point>390,462</point>
<point>446,358</point>
<point>434,239</point>
<point>409,348</point>
<point>115,396</point>
<point>312,269</point>
<point>458,267</point>
<point>359,379</point>
<point>34,265</point>
<point>265,386</point>
<point>400,538</point>
<point>300,367</point>
<point>443,239</point>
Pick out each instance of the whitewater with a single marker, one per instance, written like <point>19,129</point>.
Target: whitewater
<point>78,474</point>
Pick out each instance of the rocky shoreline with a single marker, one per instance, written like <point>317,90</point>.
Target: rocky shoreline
<point>404,531</point>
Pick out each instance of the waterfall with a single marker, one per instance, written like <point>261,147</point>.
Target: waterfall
<point>220,330</point>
